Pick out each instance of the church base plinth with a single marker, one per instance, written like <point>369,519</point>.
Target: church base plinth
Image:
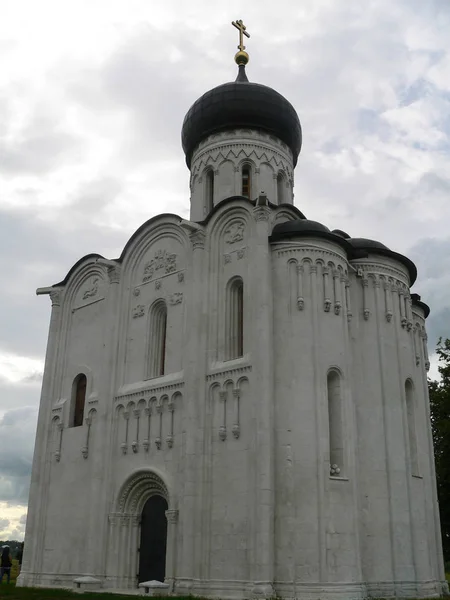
<point>263,590</point>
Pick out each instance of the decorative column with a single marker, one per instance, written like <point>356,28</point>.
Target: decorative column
<point>85,449</point>
<point>388,301</point>
<point>60,427</point>
<point>236,426</point>
<point>300,297</point>
<point>263,384</point>
<point>223,427</point>
<point>425,349</point>
<point>348,300</point>
<point>171,409</point>
<point>337,292</point>
<point>401,300</point>
<point>135,523</point>
<point>171,552</point>
<point>408,307</point>
<point>124,444</point>
<point>148,414</point>
<point>366,311</point>
<point>326,289</point>
<point>135,443</point>
<point>158,439</point>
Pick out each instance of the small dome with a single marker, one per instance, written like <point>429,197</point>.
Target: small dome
<point>365,244</point>
<point>341,233</point>
<point>241,104</point>
<point>299,226</point>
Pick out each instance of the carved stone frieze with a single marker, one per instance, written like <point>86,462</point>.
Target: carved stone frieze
<point>158,284</point>
<point>227,258</point>
<point>240,253</point>
<point>181,277</point>
<point>163,263</point>
<point>136,291</point>
<point>229,373</point>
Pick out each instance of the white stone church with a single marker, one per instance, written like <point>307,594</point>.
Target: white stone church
<point>237,406</point>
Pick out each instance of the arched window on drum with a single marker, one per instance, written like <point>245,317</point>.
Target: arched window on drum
<point>78,399</point>
<point>335,422</point>
<point>246,189</point>
<point>157,340</point>
<point>234,321</point>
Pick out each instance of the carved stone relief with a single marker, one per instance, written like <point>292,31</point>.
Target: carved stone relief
<point>163,263</point>
<point>92,290</point>
<point>234,232</point>
<point>138,311</point>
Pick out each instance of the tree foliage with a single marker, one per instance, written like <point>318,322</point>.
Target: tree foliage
<point>440,424</point>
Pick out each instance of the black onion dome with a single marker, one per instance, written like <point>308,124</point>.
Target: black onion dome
<point>366,244</point>
<point>306,228</point>
<point>363,247</point>
<point>241,104</point>
<point>299,226</point>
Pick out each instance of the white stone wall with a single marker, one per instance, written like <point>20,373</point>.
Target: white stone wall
<point>239,448</point>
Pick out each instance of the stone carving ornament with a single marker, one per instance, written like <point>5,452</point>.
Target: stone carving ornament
<point>163,263</point>
<point>92,291</point>
<point>234,232</point>
<point>138,311</point>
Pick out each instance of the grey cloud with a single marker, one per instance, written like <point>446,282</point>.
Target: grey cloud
<point>35,377</point>
<point>4,523</point>
<point>23,519</point>
<point>17,431</point>
<point>432,258</point>
<point>40,146</point>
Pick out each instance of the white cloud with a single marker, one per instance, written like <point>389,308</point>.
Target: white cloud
<point>16,368</point>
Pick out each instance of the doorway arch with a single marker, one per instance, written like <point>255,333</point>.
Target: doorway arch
<point>153,540</point>
<point>144,521</point>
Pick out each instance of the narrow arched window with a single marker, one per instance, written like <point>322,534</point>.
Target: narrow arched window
<point>157,339</point>
<point>411,419</point>
<point>281,186</point>
<point>209,191</point>
<point>336,437</point>
<point>234,322</point>
<point>246,181</point>
<point>79,393</point>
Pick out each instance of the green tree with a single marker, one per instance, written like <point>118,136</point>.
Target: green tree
<point>440,424</point>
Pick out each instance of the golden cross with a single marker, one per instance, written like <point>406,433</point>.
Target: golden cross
<point>242,31</point>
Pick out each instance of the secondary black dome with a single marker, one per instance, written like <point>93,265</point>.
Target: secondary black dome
<point>241,104</point>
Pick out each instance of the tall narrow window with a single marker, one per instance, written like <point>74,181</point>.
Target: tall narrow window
<point>209,191</point>
<point>281,186</point>
<point>411,418</point>
<point>234,322</point>
<point>79,392</point>
<point>246,181</point>
<point>157,339</point>
<point>335,424</point>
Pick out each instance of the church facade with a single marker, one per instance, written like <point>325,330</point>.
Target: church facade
<point>238,404</point>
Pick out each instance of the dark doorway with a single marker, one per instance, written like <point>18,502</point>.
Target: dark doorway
<point>152,554</point>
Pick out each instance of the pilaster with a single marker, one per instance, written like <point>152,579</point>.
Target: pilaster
<point>35,531</point>
<point>263,384</point>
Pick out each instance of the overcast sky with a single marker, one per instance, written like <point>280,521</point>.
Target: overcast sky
<point>92,98</point>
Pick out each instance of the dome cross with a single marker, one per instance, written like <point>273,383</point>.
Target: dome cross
<point>242,31</point>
